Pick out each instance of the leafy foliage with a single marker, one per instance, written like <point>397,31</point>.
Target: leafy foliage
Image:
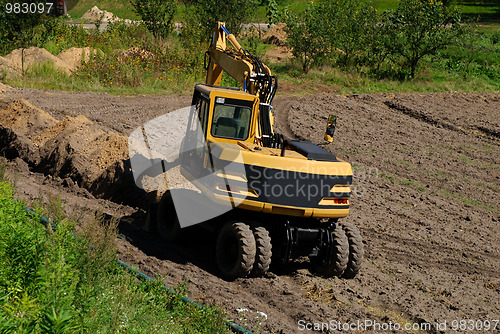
<point>347,26</point>
<point>272,13</point>
<point>202,16</point>
<point>157,15</point>
<point>304,38</point>
<point>53,282</point>
<point>419,28</point>
<point>17,29</point>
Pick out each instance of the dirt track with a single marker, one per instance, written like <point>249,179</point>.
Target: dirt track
<point>426,198</point>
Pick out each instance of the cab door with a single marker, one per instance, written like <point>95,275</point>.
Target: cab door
<point>194,151</point>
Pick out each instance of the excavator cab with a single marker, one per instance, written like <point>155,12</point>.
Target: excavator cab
<point>218,115</point>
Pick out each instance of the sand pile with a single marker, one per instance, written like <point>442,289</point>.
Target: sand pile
<point>135,52</point>
<point>75,56</point>
<point>35,56</point>
<point>4,88</point>
<point>73,147</point>
<point>68,60</point>
<point>25,119</point>
<point>8,67</point>
<point>95,14</point>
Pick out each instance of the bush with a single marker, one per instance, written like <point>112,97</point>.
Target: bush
<point>348,27</point>
<point>419,28</point>
<point>202,16</point>
<point>157,15</point>
<point>304,38</point>
<point>17,30</point>
<point>54,282</point>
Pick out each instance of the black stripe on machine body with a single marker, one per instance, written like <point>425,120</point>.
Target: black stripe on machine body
<point>288,188</point>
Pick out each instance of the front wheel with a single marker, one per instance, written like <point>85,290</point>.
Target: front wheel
<point>235,251</point>
<point>356,252</point>
<point>334,261</point>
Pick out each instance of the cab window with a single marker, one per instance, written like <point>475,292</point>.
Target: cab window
<point>231,122</point>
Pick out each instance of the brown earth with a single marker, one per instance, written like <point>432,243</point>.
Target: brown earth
<point>67,60</point>
<point>275,35</point>
<point>74,57</point>
<point>426,199</point>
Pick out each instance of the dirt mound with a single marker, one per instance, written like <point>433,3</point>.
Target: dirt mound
<point>8,67</point>
<point>74,147</point>
<point>35,56</point>
<point>79,149</point>
<point>68,60</point>
<point>4,88</point>
<point>25,119</point>
<point>276,35</point>
<point>74,57</point>
<point>96,14</point>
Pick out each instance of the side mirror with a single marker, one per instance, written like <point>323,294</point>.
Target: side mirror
<point>330,128</point>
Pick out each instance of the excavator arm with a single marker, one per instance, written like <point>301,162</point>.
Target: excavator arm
<point>253,76</point>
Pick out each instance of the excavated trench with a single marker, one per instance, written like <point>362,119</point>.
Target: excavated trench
<point>73,149</point>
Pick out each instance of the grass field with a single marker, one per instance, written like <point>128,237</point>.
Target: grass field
<point>486,10</point>
<point>54,282</point>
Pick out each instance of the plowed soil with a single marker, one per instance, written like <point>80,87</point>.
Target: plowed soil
<point>426,199</point>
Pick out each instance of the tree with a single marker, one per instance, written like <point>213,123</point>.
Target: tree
<point>157,15</point>
<point>17,30</point>
<point>347,26</point>
<point>419,28</point>
<point>304,36</point>
<point>202,16</point>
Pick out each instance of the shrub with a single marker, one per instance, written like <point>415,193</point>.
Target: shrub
<point>304,38</point>
<point>348,27</point>
<point>17,30</point>
<point>418,28</point>
<point>157,15</point>
<point>54,282</point>
<point>202,16</point>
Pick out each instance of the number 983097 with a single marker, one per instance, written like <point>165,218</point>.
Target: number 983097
<point>28,7</point>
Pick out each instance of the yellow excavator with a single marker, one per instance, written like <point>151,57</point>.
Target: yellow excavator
<point>286,195</point>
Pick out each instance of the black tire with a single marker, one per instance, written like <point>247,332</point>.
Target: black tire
<point>263,251</point>
<point>335,262</point>
<point>356,252</point>
<point>167,223</point>
<point>235,251</point>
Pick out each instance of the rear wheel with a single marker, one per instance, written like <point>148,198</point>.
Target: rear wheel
<point>334,261</point>
<point>263,251</point>
<point>235,251</point>
<point>356,252</point>
<point>167,223</point>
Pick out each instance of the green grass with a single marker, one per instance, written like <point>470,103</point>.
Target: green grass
<point>472,9</point>
<point>53,282</point>
<point>175,65</point>
<point>352,82</point>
